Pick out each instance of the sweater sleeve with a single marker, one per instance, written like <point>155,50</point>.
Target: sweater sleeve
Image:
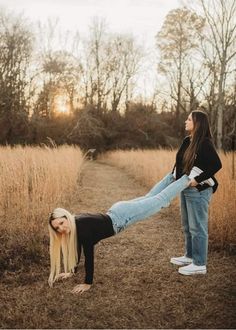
<point>212,163</point>
<point>88,249</point>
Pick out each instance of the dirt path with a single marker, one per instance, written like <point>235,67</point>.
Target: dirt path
<point>135,286</point>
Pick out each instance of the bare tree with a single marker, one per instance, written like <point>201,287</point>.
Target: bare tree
<point>124,63</point>
<point>61,67</point>
<point>98,60</point>
<point>220,16</point>
<point>16,42</point>
<point>110,64</point>
<point>179,35</point>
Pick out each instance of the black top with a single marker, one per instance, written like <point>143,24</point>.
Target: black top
<point>206,159</point>
<point>91,228</point>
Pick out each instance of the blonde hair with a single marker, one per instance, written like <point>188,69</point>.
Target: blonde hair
<point>67,244</point>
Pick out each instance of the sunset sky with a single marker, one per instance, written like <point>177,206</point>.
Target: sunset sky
<point>140,18</point>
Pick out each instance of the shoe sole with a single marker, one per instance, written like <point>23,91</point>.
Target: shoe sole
<point>179,263</point>
<point>200,272</point>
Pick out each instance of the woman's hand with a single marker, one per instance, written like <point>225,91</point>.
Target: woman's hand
<point>80,288</point>
<point>193,183</point>
<point>63,276</point>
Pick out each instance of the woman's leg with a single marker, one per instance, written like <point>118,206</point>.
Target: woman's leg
<point>125,213</point>
<point>197,206</point>
<point>185,224</point>
<point>158,187</point>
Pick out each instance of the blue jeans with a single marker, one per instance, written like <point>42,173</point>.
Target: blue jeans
<point>125,213</point>
<point>194,213</point>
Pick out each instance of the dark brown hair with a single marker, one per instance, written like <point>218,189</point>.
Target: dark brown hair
<point>201,130</point>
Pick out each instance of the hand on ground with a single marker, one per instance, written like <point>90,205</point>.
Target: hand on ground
<point>80,288</point>
<point>63,276</point>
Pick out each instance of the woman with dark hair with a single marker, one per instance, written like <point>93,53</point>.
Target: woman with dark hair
<point>198,155</point>
<point>70,234</point>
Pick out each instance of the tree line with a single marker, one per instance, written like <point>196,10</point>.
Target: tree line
<point>83,90</point>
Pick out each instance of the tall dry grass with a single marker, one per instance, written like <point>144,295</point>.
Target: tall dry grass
<point>33,180</point>
<point>150,166</point>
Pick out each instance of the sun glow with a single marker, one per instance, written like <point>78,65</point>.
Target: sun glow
<point>62,104</point>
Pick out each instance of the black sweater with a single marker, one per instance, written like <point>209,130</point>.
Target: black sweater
<point>91,228</point>
<point>206,159</point>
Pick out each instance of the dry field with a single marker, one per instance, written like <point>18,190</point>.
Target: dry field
<point>150,166</point>
<point>135,286</point>
<point>33,180</point>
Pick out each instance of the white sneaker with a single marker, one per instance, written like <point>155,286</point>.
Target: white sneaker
<point>195,171</point>
<point>192,270</point>
<point>180,261</point>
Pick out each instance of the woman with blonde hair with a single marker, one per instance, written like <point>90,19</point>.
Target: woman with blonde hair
<point>66,243</point>
<point>70,234</point>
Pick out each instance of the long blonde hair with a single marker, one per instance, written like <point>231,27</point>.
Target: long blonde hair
<point>65,243</point>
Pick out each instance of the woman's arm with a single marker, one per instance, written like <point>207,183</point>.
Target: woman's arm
<point>211,160</point>
<point>88,249</point>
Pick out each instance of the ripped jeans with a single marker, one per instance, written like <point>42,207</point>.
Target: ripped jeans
<point>125,213</point>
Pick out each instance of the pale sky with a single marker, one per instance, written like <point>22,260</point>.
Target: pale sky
<point>142,18</point>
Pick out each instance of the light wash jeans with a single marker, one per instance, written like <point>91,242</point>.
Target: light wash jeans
<point>194,213</point>
<point>125,213</point>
